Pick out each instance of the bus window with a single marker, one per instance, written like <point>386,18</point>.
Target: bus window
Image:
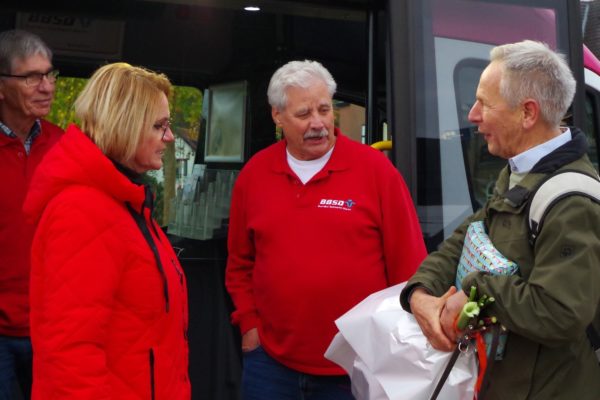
<point>455,174</point>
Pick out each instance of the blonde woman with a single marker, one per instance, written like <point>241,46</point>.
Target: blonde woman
<point>108,296</point>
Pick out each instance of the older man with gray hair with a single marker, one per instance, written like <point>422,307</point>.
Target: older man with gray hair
<point>27,82</point>
<point>545,307</point>
<point>317,223</point>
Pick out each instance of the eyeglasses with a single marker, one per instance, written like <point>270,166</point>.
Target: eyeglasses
<point>35,78</point>
<point>164,126</point>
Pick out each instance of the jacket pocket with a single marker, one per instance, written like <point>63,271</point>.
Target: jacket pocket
<point>151,360</point>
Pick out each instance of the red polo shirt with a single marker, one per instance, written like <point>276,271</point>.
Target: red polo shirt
<point>16,170</point>
<point>301,255</point>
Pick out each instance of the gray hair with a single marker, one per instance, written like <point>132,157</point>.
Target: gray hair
<point>19,44</point>
<point>532,69</point>
<point>297,74</point>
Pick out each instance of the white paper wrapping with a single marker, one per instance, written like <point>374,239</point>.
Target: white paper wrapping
<point>387,357</point>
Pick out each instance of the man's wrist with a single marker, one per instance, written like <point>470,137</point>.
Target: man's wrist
<point>417,290</point>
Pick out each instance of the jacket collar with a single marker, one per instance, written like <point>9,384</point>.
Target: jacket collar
<point>568,152</point>
<point>565,154</point>
<point>76,161</point>
<point>137,179</point>
<point>128,172</point>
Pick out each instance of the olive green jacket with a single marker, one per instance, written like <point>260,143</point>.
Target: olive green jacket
<point>548,304</point>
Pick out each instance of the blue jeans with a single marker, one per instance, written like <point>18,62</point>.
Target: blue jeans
<point>15,368</point>
<point>264,378</point>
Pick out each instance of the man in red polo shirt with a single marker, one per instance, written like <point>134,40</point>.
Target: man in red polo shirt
<point>318,222</point>
<point>27,82</point>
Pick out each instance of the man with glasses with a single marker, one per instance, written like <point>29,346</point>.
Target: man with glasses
<point>27,83</point>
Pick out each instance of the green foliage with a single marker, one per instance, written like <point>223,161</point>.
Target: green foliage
<point>67,90</point>
<point>186,110</point>
<point>185,104</point>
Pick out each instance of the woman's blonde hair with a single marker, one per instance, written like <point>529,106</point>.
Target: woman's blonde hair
<point>118,104</point>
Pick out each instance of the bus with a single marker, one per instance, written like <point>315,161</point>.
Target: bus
<point>406,70</point>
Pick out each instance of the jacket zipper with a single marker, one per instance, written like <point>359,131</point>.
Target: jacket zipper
<point>141,223</point>
<point>152,393</point>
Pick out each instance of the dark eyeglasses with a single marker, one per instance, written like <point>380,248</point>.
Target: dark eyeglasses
<point>35,78</point>
<point>163,126</point>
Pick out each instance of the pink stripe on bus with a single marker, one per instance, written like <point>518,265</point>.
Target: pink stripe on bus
<point>493,23</point>
<point>590,61</point>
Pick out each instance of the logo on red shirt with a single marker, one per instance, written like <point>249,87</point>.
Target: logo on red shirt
<point>338,204</point>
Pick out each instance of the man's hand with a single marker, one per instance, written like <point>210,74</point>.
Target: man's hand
<point>451,311</point>
<point>250,340</point>
<point>427,310</point>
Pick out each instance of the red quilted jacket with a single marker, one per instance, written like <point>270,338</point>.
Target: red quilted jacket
<point>108,296</point>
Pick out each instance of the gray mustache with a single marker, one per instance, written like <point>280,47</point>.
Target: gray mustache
<point>315,134</point>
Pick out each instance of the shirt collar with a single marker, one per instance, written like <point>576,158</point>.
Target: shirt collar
<point>524,162</point>
<point>335,162</point>
<point>33,132</point>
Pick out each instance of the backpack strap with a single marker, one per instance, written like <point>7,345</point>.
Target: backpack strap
<point>555,188</point>
<point>558,186</point>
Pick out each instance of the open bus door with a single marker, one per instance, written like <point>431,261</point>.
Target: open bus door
<point>220,57</point>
